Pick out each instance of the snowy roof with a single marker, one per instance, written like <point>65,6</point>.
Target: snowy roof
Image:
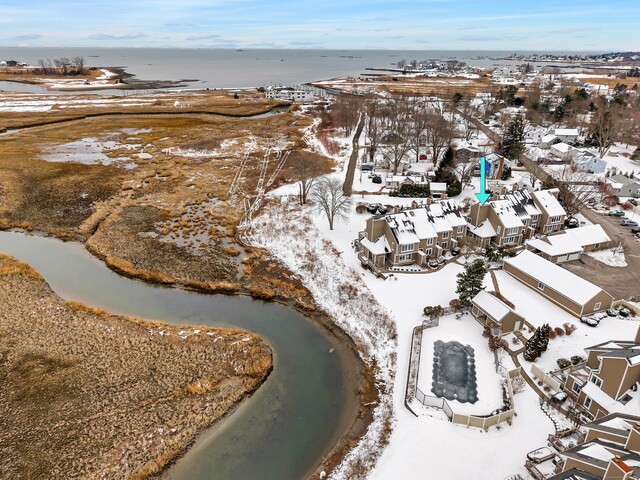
<point>484,230</point>
<point>556,245</point>
<point>588,235</point>
<point>567,132</point>
<point>548,138</point>
<point>411,226</point>
<point>561,147</point>
<point>592,391</point>
<point>549,203</point>
<point>621,179</point>
<point>522,203</point>
<point>438,187</point>
<point>617,423</point>
<point>506,213</point>
<point>379,247</point>
<point>491,305</point>
<point>597,451</point>
<point>554,277</point>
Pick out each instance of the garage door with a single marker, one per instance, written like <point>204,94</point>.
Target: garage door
<point>574,256</point>
<point>561,258</point>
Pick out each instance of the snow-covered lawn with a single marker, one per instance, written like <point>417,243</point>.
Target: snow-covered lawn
<point>467,331</point>
<point>609,257</point>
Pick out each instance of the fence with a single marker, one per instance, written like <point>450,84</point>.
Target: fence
<point>545,378</point>
<point>413,391</point>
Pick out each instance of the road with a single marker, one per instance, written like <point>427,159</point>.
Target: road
<point>347,186</point>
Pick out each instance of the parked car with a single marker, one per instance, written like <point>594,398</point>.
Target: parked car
<point>616,213</point>
<point>367,167</point>
<point>633,202</point>
<point>629,223</point>
<point>455,251</point>
<point>571,222</point>
<point>440,259</point>
<point>373,207</point>
<point>376,179</point>
<point>433,264</point>
<point>624,312</point>
<point>612,312</point>
<point>635,230</point>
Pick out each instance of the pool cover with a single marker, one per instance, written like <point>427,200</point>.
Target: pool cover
<point>454,372</point>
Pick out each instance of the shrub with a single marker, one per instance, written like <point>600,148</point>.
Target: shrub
<point>563,363</point>
<point>552,334</point>
<point>569,328</point>
<point>434,311</point>
<point>576,359</point>
<point>559,331</point>
<point>455,304</point>
<point>415,191</point>
<point>627,206</point>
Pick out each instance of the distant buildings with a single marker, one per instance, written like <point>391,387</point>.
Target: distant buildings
<point>290,94</point>
<point>623,186</point>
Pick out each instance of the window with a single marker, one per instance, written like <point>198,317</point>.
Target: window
<point>541,286</point>
<point>407,248</point>
<point>445,235</point>
<point>499,229</point>
<point>508,239</point>
<point>534,225</point>
<point>444,245</point>
<point>430,241</point>
<point>597,245</point>
<point>427,251</point>
<point>576,388</point>
<point>597,306</point>
<point>404,258</point>
<point>459,237</point>
<point>512,231</point>
<point>555,219</point>
<point>460,229</point>
<point>596,380</point>
<point>587,402</point>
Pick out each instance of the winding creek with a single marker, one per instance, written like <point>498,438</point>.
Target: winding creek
<point>291,422</point>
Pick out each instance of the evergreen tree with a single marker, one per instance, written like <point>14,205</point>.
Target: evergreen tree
<point>543,337</point>
<point>513,139</point>
<point>531,348</point>
<point>470,281</point>
<point>506,173</point>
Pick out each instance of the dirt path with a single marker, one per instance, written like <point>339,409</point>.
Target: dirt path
<point>347,187</point>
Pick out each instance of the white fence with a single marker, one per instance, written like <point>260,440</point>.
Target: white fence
<point>545,378</point>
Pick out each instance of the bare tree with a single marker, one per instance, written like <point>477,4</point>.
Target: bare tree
<point>603,128</point>
<point>416,125</point>
<point>329,199</point>
<point>346,112</point>
<point>395,145</point>
<point>305,171</point>
<point>372,126</point>
<point>576,188</point>
<point>78,63</point>
<point>439,133</point>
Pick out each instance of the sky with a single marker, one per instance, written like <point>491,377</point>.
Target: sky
<point>511,25</point>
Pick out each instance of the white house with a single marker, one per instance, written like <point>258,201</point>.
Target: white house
<point>568,135</point>
<point>623,186</point>
<point>563,151</point>
<point>290,94</point>
<point>547,141</point>
<point>588,162</point>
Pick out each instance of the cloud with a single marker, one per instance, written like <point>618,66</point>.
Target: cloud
<point>105,36</point>
<point>27,36</point>
<point>203,36</point>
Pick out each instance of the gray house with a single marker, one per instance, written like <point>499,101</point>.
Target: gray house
<point>623,186</point>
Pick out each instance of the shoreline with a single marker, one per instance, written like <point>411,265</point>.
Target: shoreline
<point>366,389</point>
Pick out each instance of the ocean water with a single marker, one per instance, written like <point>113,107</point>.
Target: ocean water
<point>220,68</point>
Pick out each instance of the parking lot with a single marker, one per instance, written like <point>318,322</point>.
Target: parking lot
<point>619,282</point>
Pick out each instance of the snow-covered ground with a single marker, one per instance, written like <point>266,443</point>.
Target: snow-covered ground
<point>609,257</point>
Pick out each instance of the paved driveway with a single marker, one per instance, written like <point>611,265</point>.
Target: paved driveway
<point>619,282</point>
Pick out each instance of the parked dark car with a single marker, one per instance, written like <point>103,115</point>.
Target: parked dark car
<point>373,207</point>
<point>612,312</point>
<point>624,312</point>
<point>592,322</point>
<point>571,222</point>
<point>633,202</point>
<point>629,223</point>
<point>433,264</point>
<point>616,213</point>
<point>455,251</point>
<point>367,167</point>
<point>635,230</point>
<point>376,179</point>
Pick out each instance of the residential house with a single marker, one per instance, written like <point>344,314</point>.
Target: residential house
<point>608,381</point>
<point>394,182</point>
<point>290,94</point>
<point>553,214</point>
<point>546,141</point>
<point>490,311</point>
<point>569,244</point>
<point>570,292</point>
<point>506,221</point>
<point>563,151</point>
<point>438,189</point>
<point>495,165</point>
<point>568,135</point>
<point>610,450</point>
<point>412,236</point>
<point>623,186</point>
<point>585,161</point>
